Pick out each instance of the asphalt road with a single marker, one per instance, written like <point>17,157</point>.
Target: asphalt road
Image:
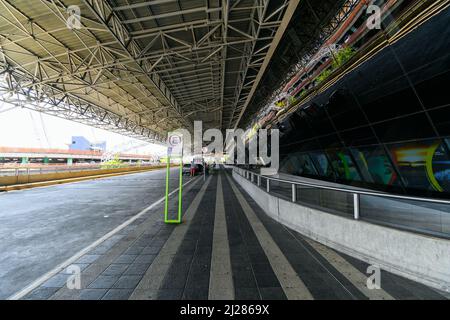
<point>41,228</point>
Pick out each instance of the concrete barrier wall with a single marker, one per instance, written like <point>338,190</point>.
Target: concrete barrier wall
<point>22,179</point>
<point>418,257</point>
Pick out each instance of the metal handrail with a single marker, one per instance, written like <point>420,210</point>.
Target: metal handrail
<point>352,191</point>
<point>59,169</point>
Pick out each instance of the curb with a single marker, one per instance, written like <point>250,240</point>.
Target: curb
<point>69,180</point>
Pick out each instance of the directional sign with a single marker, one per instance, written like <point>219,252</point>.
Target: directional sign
<point>174,150</point>
<point>175,144</point>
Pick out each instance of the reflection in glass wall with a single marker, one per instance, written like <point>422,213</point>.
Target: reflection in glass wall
<point>441,165</point>
<point>299,164</point>
<point>422,165</point>
<point>385,124</point>
<point>342,165</point>
<point>374,161</point>
<point>322,164</point>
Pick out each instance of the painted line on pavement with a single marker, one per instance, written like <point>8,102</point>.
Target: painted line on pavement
<point>148,287</point>
<point>292,285</point>
<point>18,295</point>
<point>221,277</point>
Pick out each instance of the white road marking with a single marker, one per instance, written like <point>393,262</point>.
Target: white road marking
<point>153,279</point>
<point>292,285</point>
<point>18,295</point>
<point>357,278</point>
<point>221,278</point>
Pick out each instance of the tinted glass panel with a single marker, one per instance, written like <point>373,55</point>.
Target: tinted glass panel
<point>422,165</point>
<point>390,100</point>
<point>298,164</point>
<point>343,165</point>
<point>441,165</point>
<point>330,141</point>
<point>344,111</point>
<point>408,128</point>
<point>359,137</point>
<point>433,91</point>
<point>424,44</point>
<point>380,69</point>
<point>441,120</point>
<point>319,121</point>
<point>375,166</point>
<point>322,164</point>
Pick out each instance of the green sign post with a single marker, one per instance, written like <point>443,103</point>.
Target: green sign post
<point>174,151</point>
<point>180,193</point>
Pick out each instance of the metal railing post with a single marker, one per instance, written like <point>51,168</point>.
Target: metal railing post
<point>259,180</point>
<point>252,177</point>
<point>294,192</point>
<point>356,206</point>
<point>268,185</point>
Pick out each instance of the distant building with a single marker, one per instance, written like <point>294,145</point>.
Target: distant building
<point>81,143</point>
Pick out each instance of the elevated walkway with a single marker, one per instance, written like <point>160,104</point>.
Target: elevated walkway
<point>226,248</point>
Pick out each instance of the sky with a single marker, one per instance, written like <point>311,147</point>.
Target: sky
<point>21,127</point>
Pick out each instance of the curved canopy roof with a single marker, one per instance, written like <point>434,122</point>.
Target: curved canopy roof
<point>141,68</point>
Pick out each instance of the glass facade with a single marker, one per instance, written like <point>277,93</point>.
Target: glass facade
<point>385,125</point>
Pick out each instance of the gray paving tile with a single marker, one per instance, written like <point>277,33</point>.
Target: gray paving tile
<point>244,279</point>
<point>182,259</point>
<point>115,269</point>
<point>82,267</point>
<point>195,294</point>
<point>176,280</point>
<point>267,280</point>
<point>92,294</point>
<point>117,294</point>
<point>41,293</point>
<point>137,269</point>
<point>103,282</point>
<point>247,294</point>
<point>57,281</point>
<point>151,250</point>
<point>242,267</point>
<point>145,258</point>
<point>262,268</point>
<point>126,258</point>
<point>202,259</point>
<point>198,277</point>
<point>239,258</point>
<point>127,282</point>
<point>134,250</point>
<point>257,257</point>
<point>88,258</point>
<point>170,294</point>
<point>269,293</point>
<point>158,243</point>
<point>101,249</point>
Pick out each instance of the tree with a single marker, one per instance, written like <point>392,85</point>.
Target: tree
<point>113,163</point>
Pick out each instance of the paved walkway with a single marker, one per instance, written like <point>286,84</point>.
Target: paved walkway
<point>42,227</point>
<point>226,248</point>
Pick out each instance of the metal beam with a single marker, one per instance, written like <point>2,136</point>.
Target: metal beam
<point>113,24</point>
<point>279,34</point>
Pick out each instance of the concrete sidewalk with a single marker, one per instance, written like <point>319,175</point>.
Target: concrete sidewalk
<point>226,248</point>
